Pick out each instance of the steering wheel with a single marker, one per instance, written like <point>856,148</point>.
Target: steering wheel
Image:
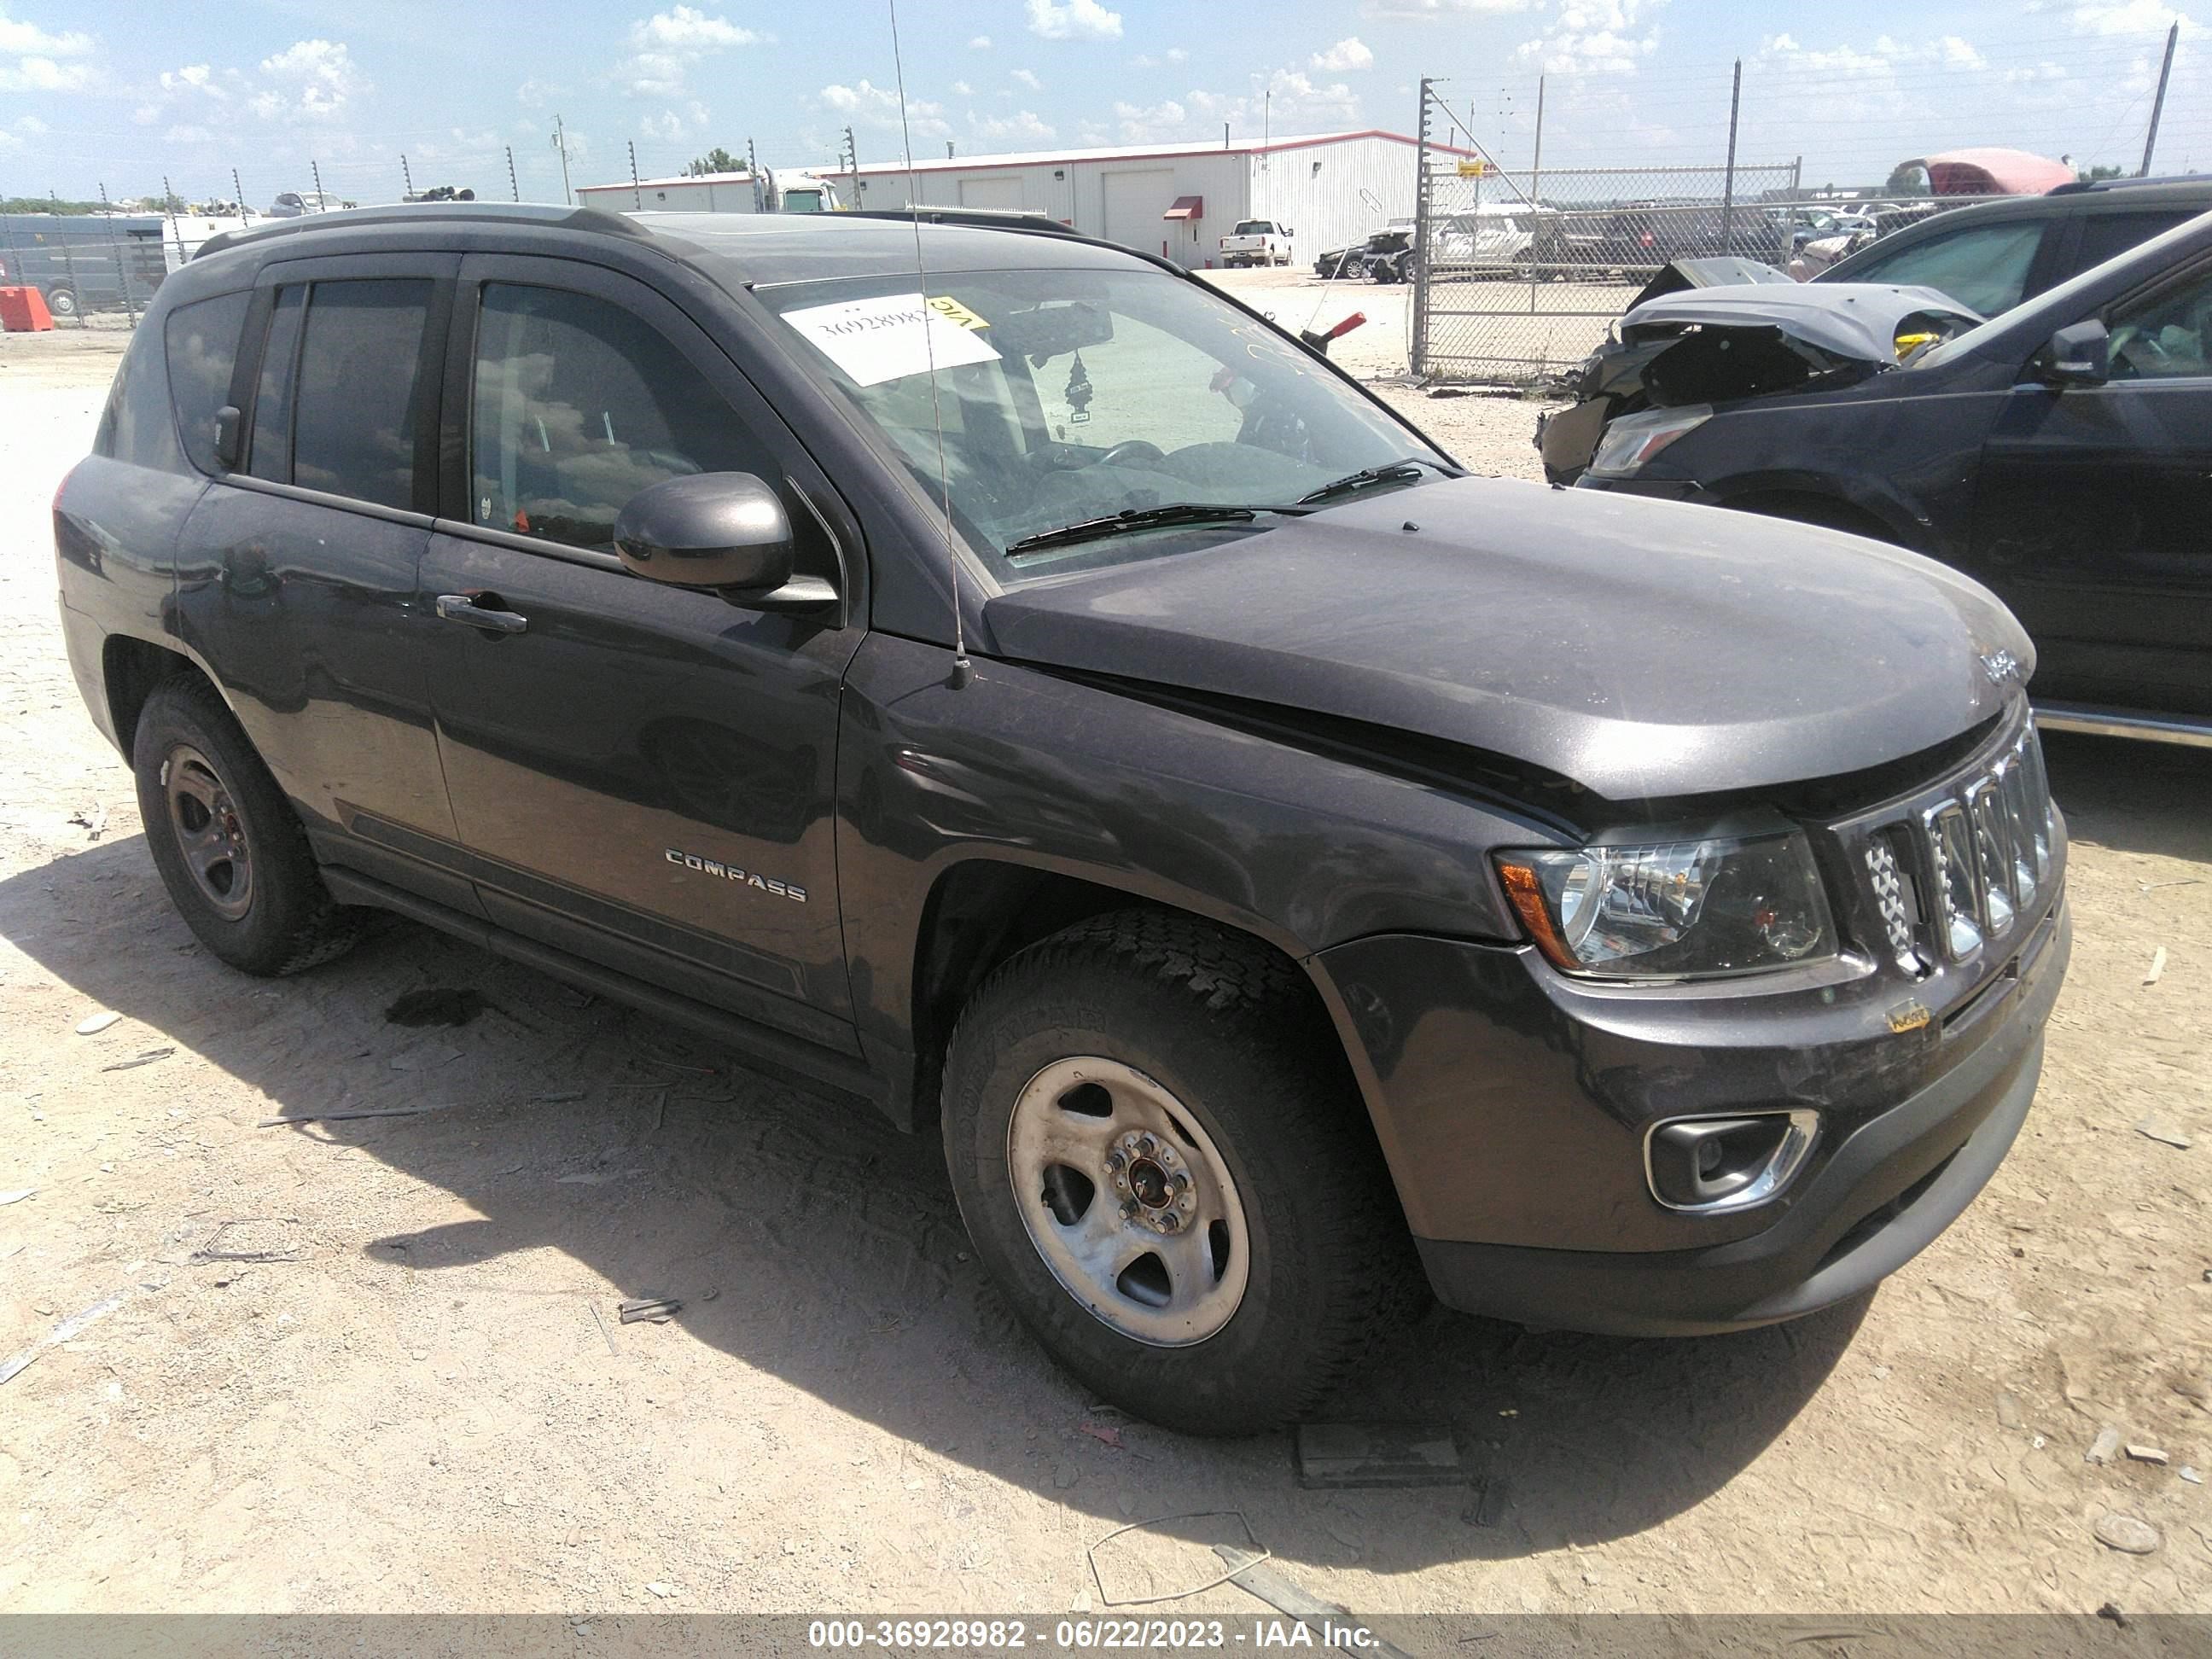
<point>1132,449</point>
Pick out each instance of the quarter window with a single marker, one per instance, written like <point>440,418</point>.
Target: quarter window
<point>579,405</point>
<point>202,342</point>
<point>271,455</point>
<point>353,430</point>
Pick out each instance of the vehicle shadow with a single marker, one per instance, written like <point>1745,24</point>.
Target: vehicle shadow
<point>816,1244</point>
<point>2136,796</point>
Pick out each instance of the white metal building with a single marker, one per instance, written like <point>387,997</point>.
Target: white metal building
<point>1178,200</point>
<point>709,192</point>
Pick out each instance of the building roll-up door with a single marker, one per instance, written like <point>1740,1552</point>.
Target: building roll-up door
<point>1134,204</point>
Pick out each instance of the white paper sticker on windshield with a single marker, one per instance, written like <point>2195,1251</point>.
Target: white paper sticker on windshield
<point>890,337</point>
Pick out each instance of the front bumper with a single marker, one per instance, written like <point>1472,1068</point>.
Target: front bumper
<point>1511,1104</point>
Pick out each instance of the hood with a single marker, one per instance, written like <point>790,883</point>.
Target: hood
<point>1645,649</point>
<point>1722,271</point>
<point>1857,320</point>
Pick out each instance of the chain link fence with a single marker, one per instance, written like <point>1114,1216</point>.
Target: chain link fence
<point>1518,274</point>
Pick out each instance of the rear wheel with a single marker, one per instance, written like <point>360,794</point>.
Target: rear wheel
<point>228,847</point>
<point>1163,1159</point>
<point>61,301</point>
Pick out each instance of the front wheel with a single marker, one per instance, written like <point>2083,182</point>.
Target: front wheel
<point>61,301</point>
<point>1162,1160</point>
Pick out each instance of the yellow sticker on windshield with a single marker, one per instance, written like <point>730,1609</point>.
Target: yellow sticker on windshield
<point>953,311</point>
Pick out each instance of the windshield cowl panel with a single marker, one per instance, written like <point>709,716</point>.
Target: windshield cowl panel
<point>1066,396</point>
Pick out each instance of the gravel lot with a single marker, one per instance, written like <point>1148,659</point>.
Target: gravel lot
<point>374,1364</point>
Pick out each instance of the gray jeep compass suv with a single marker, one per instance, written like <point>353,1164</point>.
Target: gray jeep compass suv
<point>989,673</point>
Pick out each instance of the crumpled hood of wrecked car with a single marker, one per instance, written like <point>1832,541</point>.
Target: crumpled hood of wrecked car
<point>1644,648</point>
<point>1857,320</point>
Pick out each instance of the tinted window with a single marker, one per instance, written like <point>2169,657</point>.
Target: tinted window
<point>2166,336</point>
<point>139,427</point>
<point>578,406</point>
<point>270,456</point>
<point>203,346</point>
<point>1983,268</point>
<point>2104,235</point>
<point>353,430</point>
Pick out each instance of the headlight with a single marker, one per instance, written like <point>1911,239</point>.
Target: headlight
<point>1674,910</point>
<point>1630,441</point>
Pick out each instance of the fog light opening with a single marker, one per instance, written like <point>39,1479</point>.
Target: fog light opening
<point>1714,1164</point>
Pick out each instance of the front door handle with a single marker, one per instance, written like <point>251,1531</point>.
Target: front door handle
<point>471,609</point>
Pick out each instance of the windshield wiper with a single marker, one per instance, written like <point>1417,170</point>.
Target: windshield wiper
<point>1403,471</point>
<point>1143,517</point>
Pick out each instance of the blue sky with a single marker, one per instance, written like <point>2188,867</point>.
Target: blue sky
<point>96,91</point>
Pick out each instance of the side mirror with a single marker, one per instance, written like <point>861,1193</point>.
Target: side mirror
<point>2080,353</point>
<point>720,530</point>
<point>226,436</point>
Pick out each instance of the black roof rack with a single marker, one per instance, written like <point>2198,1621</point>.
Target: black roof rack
<point>528,213</point>
<point>2081,186</point>
<point>981,218</point>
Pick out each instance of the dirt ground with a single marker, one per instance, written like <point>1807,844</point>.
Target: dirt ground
<point>375,1363</point>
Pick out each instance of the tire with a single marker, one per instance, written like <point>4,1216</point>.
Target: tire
<point>227,844</point>
<point>62,301</point>
<point>1195,1055</point>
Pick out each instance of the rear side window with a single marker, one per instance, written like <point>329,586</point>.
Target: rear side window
<point>2106,235</point>
<point>354,414</point>
<point>1984,269</point>
<point>578,405</point>
<point>202,341</point>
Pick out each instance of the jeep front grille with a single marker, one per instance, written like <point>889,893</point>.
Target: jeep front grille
<point>1968,859</point>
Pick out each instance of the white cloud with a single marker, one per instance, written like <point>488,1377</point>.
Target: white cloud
<point>664,46</point>
<point>1143,123</point>
<point>32,124</point>
<point>44,74</point>
<point>879,107</point>
<point>2126,16</point>
<point>1175,54</point>
<point>1077,19</point>
<point>309,80</point>
<point>1435,8</point>
<point>1028,79</point>
<point>961,88</point>
<point>186,135</point>
<point>981,43</point>
<point>29,40</point>
<point>1350,53</point>
<point>534,94</point>
<point>193,77</point>
<point>1595,36</point>
<point>1023,124</point>
<point>1290,97</point>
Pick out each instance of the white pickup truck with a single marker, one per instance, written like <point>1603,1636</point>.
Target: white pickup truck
<point>1256,242</point>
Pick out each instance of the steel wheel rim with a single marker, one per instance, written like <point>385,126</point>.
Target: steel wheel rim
<point>1129,1202</point>
<point>210,833</point>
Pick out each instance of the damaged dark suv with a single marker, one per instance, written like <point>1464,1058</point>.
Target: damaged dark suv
<point>1044,700</point>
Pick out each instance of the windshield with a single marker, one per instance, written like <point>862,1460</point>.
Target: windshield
<point>1070,395</point>
<point>802,201</point>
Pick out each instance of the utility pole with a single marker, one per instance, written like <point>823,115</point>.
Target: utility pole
<point>244,211</point>
<point>1535,189</point>
<point>560,143</point>
<point>514,190</point>
<point>2158,104</point>
<point>315,168</point>
<point>1727,185</point>
<point>636,190</point>
<point>406,178</point>
<point>752,173</point>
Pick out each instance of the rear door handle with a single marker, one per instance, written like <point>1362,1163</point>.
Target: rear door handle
<point>464,607</point>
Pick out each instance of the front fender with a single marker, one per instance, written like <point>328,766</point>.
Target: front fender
<point>1301,849</point>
